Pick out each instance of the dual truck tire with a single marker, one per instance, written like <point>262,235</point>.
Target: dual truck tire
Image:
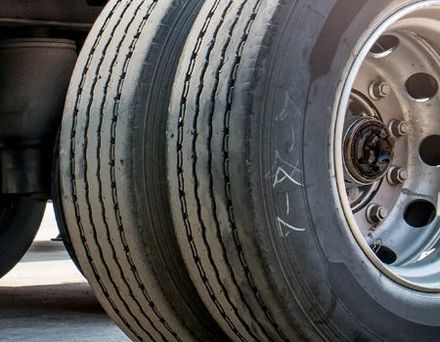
<point>196,177</point>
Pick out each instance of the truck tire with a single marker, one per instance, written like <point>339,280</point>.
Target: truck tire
<point>290,125</point>
<point>19,223</point>
<point>58,205</point>
<point>114,203</point>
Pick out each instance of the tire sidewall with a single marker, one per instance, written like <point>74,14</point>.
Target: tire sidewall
<point>320,266</point>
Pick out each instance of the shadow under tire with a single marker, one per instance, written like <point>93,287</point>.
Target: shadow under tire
<point>113,182</point>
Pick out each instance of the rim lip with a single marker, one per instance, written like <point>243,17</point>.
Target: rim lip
<point>347,79</point>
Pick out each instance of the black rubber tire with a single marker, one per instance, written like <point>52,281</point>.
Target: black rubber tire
<point>114,203</point>
<point>257,218</point>
<point>19,223</point>
<point>58,205</point>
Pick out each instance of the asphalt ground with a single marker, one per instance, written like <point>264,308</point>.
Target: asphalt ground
<point>45,298</point>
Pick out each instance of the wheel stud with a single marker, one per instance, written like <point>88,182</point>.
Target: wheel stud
<point>376,213</point>
<point>397,175</point>
<point>379,90</point>
<point>398,128</point>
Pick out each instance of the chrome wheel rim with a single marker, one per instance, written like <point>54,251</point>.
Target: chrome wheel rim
<point>387,146</point>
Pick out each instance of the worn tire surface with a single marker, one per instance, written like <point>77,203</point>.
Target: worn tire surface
<point>58,205</point>
<point>198,181</point>
<point>113,137</point>
<point>252,182</point>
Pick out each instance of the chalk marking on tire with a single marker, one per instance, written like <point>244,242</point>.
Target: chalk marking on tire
<point>288,228</point>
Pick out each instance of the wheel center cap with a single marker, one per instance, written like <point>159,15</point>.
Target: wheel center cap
<point>369,150</point>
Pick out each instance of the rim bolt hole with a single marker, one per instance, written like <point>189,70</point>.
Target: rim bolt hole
<point>384,46</point>
<point>430,151</point>
<point>422,87</point>
<point>420,213</point>
<point>376,213</point>
<point>385,254</point>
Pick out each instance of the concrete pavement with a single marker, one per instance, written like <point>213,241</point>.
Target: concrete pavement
<point>45,298</point>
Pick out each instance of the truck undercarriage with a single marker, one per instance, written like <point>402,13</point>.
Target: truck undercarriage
<point>231,170</point>
<point>39,45</point>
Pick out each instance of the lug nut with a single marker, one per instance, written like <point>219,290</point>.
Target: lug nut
<point>376,213</point>
<point>398,128</point>
<point>379,90</point>
<point>397,175</point>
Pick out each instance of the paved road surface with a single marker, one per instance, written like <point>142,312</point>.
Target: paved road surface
<point>45,298</point>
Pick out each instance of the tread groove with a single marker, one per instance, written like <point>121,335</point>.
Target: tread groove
<point>180,176</point>
<point>73,133</point>
<point>211,181</point>
<point>137,10</point>
<point>232,81</point>
<point>73,156</point>
<point>211,188</point>
<point>113,180</point>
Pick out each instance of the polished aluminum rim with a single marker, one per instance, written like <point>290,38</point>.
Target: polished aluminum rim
<point>387,146</point>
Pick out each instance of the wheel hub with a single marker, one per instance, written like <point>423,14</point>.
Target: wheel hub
<point>387,141</point>
<point>369,150</point>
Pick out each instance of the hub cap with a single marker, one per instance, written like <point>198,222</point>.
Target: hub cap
<point>388,147</point>
<point>369,150</point>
